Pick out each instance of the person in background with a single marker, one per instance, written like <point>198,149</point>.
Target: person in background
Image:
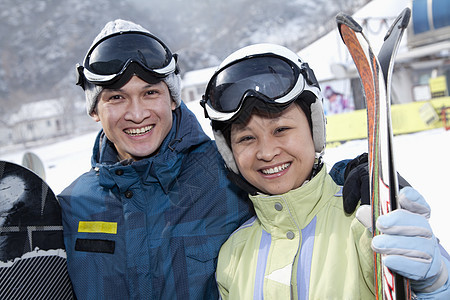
<point>266,112</point>
<point>148,219</point>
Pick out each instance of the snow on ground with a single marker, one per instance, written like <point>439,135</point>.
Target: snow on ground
<point>422,158</point>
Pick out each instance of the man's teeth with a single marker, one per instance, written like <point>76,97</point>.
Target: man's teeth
<point>276,169</point>
<point>139,131</point>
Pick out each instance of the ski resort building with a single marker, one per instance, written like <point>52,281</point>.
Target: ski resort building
<point>37,120</point>
<point>194,84</point>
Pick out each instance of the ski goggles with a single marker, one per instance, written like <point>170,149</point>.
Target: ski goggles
<point>111,57</point>
<point>272,79</point>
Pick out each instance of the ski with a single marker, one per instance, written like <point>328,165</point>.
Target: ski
<point>376,77</point>
<point>386,57</point>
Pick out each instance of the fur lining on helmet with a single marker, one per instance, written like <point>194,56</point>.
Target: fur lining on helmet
<point>91,92</point>
<point>318,125</point>
<point>225,151</point>
<point>173,82</point>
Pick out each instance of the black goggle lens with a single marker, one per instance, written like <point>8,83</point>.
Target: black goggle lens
<point>270,76</point>
<point>111,55</point>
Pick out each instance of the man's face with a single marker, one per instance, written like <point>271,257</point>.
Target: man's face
<point>136,117</point>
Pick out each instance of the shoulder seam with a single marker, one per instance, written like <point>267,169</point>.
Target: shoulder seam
<point>248,223</point>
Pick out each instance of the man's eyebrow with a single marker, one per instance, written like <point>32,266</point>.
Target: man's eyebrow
<point>149,85</point>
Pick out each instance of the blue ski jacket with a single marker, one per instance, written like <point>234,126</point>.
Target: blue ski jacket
<point>151,229</point>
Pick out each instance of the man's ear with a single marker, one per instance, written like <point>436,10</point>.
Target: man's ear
<point>95,116</point>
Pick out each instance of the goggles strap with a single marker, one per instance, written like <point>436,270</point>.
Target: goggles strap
<point>309,75</point>
<point>80,76</point>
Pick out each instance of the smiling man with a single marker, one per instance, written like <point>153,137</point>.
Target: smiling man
<point>147,221</point>
<point>136,118</point>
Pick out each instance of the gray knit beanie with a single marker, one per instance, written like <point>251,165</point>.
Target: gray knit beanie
<point>92,91</point>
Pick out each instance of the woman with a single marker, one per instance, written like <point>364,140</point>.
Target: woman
<point>266,110</point>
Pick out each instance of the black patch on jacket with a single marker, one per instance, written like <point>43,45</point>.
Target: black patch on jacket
<point>98,246</point>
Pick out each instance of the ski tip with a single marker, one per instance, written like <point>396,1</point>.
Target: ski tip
<point>344,19</point>
<point>406,16</point>
<point>401,21</point>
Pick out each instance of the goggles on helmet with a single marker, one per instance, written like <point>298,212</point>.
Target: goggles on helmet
<point>111,57</point>
<point>271,78</point>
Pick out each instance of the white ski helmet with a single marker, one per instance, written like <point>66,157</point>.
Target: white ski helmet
<point>272,74</point>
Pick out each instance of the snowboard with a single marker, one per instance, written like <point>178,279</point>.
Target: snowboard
<point>376,78</point>
<point>32,255</point>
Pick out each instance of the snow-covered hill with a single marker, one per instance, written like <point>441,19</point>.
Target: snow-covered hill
<point>41,41</point>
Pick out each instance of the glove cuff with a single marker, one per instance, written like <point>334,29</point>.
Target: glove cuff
<point>440,280</point>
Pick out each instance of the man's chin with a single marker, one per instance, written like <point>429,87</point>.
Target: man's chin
<point>138,155</point>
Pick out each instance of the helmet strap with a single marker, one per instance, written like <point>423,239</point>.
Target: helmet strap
<point>242,183</point>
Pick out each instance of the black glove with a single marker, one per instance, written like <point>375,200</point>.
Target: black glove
<point>356,183</point>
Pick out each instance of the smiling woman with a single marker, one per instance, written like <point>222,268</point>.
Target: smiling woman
<point>274,151</point>
<point>269,127</point>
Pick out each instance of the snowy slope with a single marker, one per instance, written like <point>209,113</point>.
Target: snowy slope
<point>422,158</point>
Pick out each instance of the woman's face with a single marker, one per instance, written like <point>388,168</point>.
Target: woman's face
<point>274,152</point>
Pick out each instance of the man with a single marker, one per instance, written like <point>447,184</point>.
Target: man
<point>149,218</point>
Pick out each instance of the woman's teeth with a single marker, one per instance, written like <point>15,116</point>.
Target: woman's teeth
<point>276,169</point>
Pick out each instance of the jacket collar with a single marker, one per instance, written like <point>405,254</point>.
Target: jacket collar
<point>298,207</point>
